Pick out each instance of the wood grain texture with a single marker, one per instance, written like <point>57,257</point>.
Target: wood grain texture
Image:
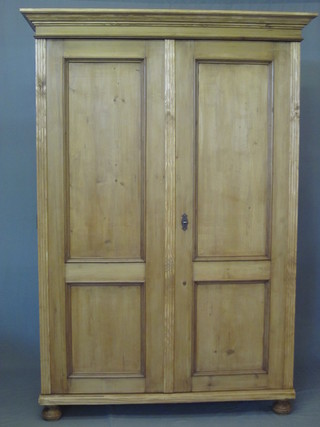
<point>144,398</point>
<point>280,171</point>
<point>105,158</point>
<point>80,384</point>
<point>272,326</point>
<point>290,281</point>
<point>231,270</point>
<point>170,152</point>
<point>109,272</point>
<point>184,204</point>
<point>227,381</point>
<point>42,214</point>
<point>87,271</point>
<point>155,215</point>
<point>229,328</point>
<point>107,326</point>
<point>56,215</point>
<point>167,23</point>
<point>115,49</point>
<point>233,149</point>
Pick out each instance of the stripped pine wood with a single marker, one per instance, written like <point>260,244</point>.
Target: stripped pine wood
<point>93,308</point>
<point>280,197</point>
<point>142,398</point>
<point>232,270</point>
<point>98,167</point>
<point>170,152</point>
<point>167,164</point>
<point>155,216</point>
<point>216,351</point>
<point>232,179</point>
<point>149,23</point>
<point>42,217</point>
<point>97,158</point>
<point>224,190</point>
<point>292,214</point>
<point>115,272</point>
<point>184,205</point>
<point>56,176</point>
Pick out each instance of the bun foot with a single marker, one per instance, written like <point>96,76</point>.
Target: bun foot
<point>51,413</point>
<point>282,407</point>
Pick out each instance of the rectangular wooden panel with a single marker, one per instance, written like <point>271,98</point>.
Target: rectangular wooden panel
<point>233,188</point>
<point>99,384</point>
<point>231,270</point>
<point>241,381</point>
<point>105,272</point>
<point>106,329</point>
<point>230,327</point>
<point>105,128</point>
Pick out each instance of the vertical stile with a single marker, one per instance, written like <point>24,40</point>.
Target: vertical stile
<point>42,216</point>
<point>169,212</point>
<point>292,213</point>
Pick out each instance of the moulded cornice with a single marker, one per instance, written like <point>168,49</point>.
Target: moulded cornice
<point>163,23</point>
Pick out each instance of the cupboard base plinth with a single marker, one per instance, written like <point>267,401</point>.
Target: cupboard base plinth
<point>144,398</point>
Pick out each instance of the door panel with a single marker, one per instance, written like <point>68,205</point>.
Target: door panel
<point>230,322</point>
<point>106,159</point>
<point>106,329</point>
<point>106,215</point>
<point>231,181</point>
<point>233,142</point>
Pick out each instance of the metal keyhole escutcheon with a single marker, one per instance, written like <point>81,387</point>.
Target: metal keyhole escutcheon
<point>184,221</point>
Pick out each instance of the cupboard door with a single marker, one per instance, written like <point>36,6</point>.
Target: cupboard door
<point>232,145</point>
<point>106,215</point>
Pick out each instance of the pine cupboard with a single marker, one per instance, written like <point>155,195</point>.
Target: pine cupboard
<point>167,153</point>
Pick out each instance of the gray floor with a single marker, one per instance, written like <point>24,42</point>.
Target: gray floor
<point>18,407</point>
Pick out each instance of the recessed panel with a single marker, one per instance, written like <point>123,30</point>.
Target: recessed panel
<point>106,324</point>
<point>231,322</point>
<point>233,152</point>
<point>105,133</point>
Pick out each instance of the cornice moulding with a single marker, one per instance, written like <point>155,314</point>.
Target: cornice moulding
<point>162,23</point>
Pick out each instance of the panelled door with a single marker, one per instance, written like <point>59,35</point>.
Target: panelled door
<point>105,118</point>
<point>232,140</point>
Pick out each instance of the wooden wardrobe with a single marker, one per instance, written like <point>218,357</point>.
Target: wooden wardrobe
<point>167,148</point>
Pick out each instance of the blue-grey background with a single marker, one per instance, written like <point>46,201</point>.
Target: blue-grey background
<point>19,325</point>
